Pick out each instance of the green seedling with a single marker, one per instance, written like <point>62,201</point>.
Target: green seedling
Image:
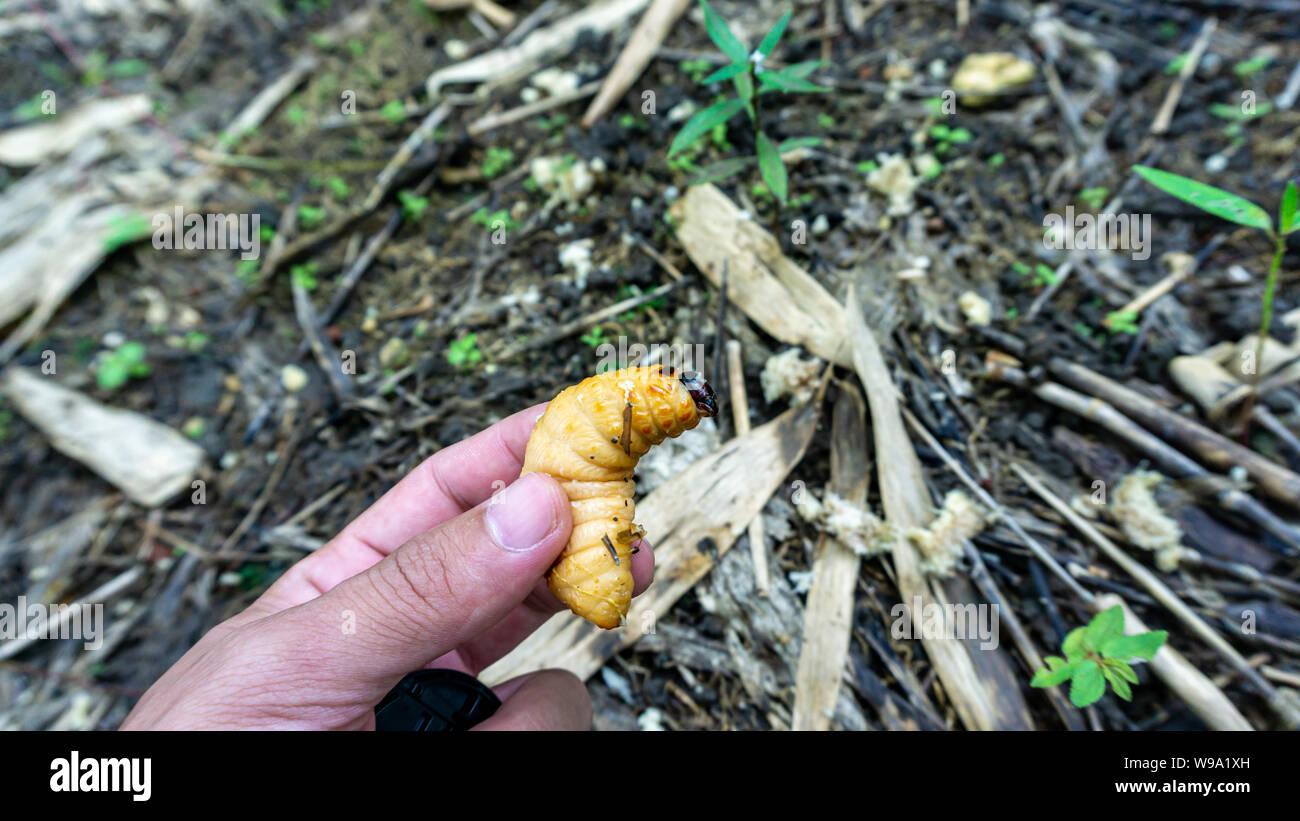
<point>945,138</point>
<point>394,111</point>
<point>121,366</point>
<point>697,70</point>
<point>1228,206</point>
<point>310,216</point>
<point>1096,654</point>
<point>494,219</point>
<point>1041,275</point>
<point>304,275</point>
<point>1124,322</point>
<point>751,81</point>
<point>413,205</point>
<point>1253,66</point>
<point>594,338</point>
<point>339,188</point>
<point>126,229</point>
<point>1094,198</point>
<point>497,161</point>
<point>464,353</point>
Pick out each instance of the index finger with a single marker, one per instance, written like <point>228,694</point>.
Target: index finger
<point>447,484</point>
<point>442,487</point>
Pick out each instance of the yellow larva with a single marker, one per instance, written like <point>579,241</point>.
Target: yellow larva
<point>590,439</point>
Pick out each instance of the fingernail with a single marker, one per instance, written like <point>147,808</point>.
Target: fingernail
<point>523,515</point>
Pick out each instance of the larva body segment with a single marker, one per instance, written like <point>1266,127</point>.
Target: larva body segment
<point>590,439</point>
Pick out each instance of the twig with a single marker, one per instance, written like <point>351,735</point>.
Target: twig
<point>740,416</point>
<point>326,357</point>
<point>422,134</point>
<point>97,596</point>
<point>592,318</point>
<point>1170,460</point>
<point>906,501</point>
<point>1166,113</point>
<point>1209,446</point>
<point>828,617</point>
<point>257,110</point>
<point>636,55</point>
<point>488,122</point>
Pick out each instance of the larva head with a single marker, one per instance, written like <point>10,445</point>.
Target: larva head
<point>706,401</point>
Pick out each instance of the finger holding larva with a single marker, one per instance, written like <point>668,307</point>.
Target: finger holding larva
<point>590,439</point>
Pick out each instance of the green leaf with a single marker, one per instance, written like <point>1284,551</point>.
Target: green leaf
<point>801,71</point>
<point>1088,685</point>
<point>1143,645</point>
<point>126,229</point>
<point>798,142</point>
<point>703,122</point>
<point>774,36</point>
<point>1073,644</point>
<point>1060,672</point>
<point>112,374</point>
<point>726,73</point>
<point>1222,204</point>
<point>721,35</point>
<point>131,353</point>
<point>1286,218</point>
<point>1236,114</point>
<point>783,82</point>
<point>745,88</point>
<point>1118,684</point>
<point>1104,626</point>
<point>771,167</point>
<point>1123,670</point>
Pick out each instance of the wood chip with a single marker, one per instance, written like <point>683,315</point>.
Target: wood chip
<point>146,460</point>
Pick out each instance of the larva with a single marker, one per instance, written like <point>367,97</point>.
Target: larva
<point>590,439</point>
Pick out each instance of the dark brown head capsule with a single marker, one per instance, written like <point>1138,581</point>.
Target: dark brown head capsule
<point>706,401</point>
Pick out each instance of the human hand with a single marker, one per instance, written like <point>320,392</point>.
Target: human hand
<point>442,571</point>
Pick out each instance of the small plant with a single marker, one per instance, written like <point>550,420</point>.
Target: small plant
<point>310,216</point>
<point>1094,198</point>
<point>304,275</point>
<point>126,229</point>
<point>196,341</point>
<point>121,366</point>
<point>246,270</point>
<point>696,69</point>
<point>594,338</point>
<point>1041,275</point>
<point>1251,67</point>
<point>751,81</point>
<point>945,138</point>
<point>497,161</point>
<point>394,111</point>
<point>1097,653</point>
<point>413,205</point>
<point>464,353</point>
<point>1124,322</point>
<point>339,188</point>
<point>1228,206</point>
<point>493,219</point>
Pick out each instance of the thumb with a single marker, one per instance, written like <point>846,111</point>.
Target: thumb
<point>432,594</point>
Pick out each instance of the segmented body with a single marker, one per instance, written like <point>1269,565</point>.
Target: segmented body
<point>590,439</point>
